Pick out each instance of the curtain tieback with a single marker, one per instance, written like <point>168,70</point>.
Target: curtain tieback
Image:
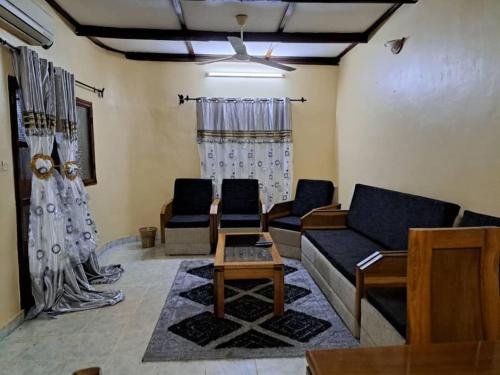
<point>70,169</point>
<point>42,166</point>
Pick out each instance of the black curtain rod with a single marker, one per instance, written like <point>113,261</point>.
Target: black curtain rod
<point>187,98</point>
<point>99,92</point>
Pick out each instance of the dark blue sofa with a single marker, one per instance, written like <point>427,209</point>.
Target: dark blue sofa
<point>391,302</point>
<point>378,219</point>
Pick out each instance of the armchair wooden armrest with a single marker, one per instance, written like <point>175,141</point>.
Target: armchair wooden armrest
<point>214,207</point>
<point>214,222</point>
<point>279,210</point>
<point>324,218</point>
<point>381,269</point>
<point>263,215</point>
<point>333,206</point>
<point>165,216</point>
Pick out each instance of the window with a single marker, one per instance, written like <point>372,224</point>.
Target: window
<point>86,155</point>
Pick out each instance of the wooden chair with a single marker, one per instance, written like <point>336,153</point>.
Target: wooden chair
<point>284,219</point>
<point>452,283</point>
<point>239,208</point>
<point>187,225</point>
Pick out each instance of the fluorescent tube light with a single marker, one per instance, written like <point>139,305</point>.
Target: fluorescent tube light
<point>245,75</point>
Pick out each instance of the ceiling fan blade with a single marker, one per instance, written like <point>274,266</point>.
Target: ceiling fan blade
<point>271,64</point>
<point>227,58</point>
<point>238,45</point>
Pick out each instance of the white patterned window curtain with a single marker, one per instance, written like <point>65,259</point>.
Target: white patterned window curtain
<point>247,138</point>
<point>58,284</point>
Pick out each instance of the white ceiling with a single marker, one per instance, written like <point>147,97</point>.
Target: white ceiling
<point>140,45</point>
<point>123,13</point>
<point>344,18</point>
<point>212,15</point>
<point>216,16</point>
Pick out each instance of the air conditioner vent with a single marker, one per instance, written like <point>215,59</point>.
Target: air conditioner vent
<point>27,20</point>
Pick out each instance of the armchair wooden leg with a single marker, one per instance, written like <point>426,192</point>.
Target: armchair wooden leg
<point>162,234</point>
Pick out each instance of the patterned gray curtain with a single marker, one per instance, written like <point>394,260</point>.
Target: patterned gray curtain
<point>56,284</point>
<point>247,138</point>
<point>81,230</point>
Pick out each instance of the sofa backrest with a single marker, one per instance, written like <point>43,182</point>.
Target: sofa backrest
<point>240,196</point>
<point>473,219</point>
<point>311,194</point>
<point>386,216</point>
<point>192,196</point>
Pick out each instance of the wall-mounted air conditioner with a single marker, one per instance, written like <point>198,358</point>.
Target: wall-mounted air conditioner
<point>27,20</point>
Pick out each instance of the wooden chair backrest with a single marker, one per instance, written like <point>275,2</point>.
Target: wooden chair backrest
<point>453,285</point>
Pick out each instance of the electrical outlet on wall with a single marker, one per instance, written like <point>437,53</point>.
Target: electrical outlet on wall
<point>4,166</point>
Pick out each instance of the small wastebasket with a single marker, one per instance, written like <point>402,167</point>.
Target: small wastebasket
<point>148,236</point>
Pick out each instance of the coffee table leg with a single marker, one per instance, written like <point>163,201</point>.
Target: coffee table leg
<point>219,294</point>
<point>279,291</point>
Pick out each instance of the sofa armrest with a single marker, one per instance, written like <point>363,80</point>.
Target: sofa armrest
<point>386,269</point>
<point>165,216</point>
<point>324,218</point>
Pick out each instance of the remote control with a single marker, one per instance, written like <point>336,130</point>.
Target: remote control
<point>264,243</point>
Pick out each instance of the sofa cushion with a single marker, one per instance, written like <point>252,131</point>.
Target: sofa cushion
<point>189,221</point>
<point>386,216</point>
<point>473,219</point>
<point>192,196</point>
<point>240,196</point>
<point>344,248</point>
<point>239,221</point>
<point>311,194</point>
<point>391,303</point>
<point>287,222</point>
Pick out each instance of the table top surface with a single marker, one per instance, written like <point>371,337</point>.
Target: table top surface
<point>463,358</point>
<point>238,249</point>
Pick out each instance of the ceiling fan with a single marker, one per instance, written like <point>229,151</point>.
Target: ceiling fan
<point>241,51</point>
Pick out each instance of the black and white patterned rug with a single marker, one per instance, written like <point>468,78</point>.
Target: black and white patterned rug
<point>188,330</point>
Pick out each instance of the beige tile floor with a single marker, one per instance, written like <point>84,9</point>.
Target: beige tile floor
<point>115,338</point>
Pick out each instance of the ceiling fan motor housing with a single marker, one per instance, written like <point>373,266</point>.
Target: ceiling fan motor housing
<point>241,19</point>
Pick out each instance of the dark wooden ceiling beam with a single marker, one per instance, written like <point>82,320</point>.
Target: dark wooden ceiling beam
<point>197,35</point>
<point>147,56</point>
<point>176,4</point>
<point>381,20</point>
<point>290,8</point>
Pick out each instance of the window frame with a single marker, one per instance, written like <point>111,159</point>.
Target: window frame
<point>90,120</point>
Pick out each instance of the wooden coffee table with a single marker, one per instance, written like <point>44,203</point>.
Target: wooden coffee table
<point>237,258</point>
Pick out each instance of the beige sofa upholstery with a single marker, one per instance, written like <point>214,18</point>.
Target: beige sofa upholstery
<point>337,289</point>
<point>187,241</point>
<point>375,329</point>
<point>287,242</point>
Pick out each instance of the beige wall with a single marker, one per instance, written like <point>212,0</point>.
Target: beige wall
<point>426,121</point>
<point>144,140</point>
<point>9,284</point>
